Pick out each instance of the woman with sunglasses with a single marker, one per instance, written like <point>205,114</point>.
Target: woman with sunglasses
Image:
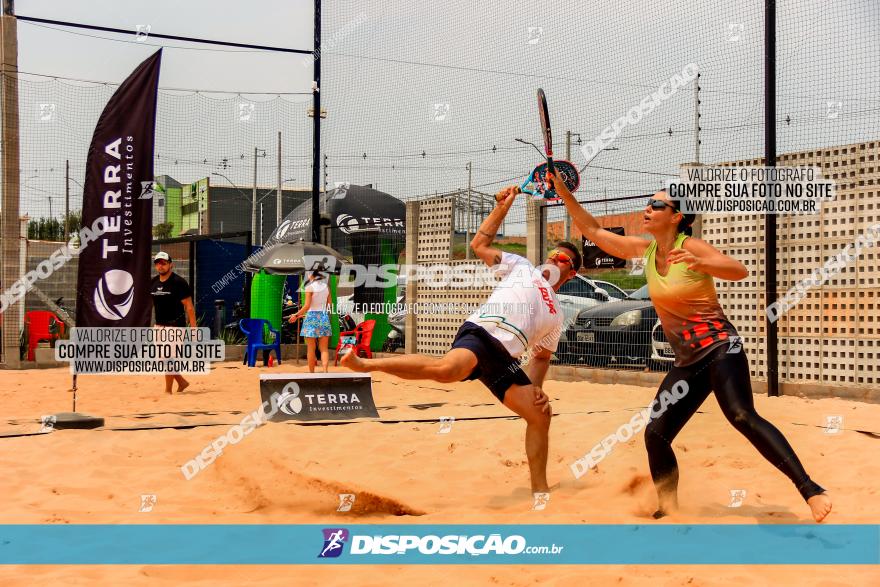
<point>680,271</point>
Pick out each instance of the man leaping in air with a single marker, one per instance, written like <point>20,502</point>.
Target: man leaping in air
<point>521,316</point>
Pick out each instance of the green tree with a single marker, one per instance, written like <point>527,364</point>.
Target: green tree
<point>74,223</point>
<point>163,230</point>
<point>46,229</point>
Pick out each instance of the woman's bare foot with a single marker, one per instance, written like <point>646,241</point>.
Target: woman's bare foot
<point>668,505</point>
<point>353,362</point>
<point>821,506</point>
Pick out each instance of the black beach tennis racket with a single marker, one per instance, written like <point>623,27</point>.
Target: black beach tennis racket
<point>546,133</point>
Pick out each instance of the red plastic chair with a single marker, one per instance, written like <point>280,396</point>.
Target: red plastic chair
<point>37,324</point>
<point>363,335</point>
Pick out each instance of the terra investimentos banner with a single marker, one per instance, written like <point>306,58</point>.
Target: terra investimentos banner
<point>113,281</point>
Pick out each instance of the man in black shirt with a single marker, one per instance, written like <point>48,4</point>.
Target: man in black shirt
<point>172,300</point>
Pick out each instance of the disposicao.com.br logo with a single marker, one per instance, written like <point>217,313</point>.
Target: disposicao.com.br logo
<point>334,540</point>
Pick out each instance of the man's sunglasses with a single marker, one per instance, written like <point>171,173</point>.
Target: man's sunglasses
<point>557,255</point>
<point>660,204</point>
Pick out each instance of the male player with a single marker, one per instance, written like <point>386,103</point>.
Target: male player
<point>521,316</point>
<point>173,302</point>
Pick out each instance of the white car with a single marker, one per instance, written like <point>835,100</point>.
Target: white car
<point>582,293</point>
<point>577,294</point>
<point>661,350</point>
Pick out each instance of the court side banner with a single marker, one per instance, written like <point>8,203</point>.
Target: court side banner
<point>113,279</point>
<point>318,396</point>
<point>596,258</point>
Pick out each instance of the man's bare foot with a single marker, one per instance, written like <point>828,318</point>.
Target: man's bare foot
<point>821,506</point>
<point>353,362</point>
<point>182,386</point>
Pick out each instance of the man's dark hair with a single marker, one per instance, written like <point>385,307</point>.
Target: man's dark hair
<point>576,257</point>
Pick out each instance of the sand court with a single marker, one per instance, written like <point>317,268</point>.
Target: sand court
<point>403,469</point>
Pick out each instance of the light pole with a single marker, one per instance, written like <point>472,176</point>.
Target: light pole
<point>278,199</point>
<point>66,198</point>
<point>254,199</point>
<point>467,238</point>
<point>596,155</point>
<point>316,129</point>
<point>241,191</point>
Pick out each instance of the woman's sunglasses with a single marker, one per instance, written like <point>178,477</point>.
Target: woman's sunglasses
<point>660,204</point>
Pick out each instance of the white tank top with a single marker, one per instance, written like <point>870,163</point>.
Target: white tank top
<point>320,293</point>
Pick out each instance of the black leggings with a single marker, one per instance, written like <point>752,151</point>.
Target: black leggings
<point>728,375</point>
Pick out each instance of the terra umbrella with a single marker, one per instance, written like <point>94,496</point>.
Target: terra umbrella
<point>295,257</point>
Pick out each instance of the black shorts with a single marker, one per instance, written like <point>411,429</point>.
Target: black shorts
<point>495,367</point>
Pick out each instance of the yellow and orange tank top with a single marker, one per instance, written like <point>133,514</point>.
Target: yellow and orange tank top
<point>687,304</point>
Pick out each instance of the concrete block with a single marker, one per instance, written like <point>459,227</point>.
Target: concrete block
<point>45,358</point>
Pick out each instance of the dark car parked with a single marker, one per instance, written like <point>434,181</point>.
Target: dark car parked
<point>616,333</point>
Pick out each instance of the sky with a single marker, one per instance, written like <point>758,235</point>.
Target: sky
<point>286,24</point>
<point>454,80</point>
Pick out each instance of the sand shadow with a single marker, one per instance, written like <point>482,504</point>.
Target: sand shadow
<point>763,514</point>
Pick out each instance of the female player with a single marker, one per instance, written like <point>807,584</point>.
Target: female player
<point>316,326</point>
<point>680,271</point>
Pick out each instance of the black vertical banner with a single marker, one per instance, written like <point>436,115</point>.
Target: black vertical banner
<point>113,281</point>
<point>596,258</point>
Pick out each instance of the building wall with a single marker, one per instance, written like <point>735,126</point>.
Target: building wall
<point>158,208</point>
<point>632,223</point>
<point>62,282</point>
<point>436,329</point>
<point>172,209</point>
<point>832,337</point>
<point>211,209</point>
<point>230,208</point>
<point>166,202</point>
<point>191,208</point>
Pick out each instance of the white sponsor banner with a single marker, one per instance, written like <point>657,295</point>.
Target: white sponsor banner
<point>139,350</point>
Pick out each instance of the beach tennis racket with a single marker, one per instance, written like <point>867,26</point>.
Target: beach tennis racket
<point>536,184</point>
<point>546,133</point>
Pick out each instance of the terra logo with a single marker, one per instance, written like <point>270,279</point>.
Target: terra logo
<point>334,540</point>
<point>114,294</point>
<point>347,223</point>
<point>289,401</point>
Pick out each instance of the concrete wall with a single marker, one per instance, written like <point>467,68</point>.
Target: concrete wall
<point>62,282</point>
<point>832,337</point>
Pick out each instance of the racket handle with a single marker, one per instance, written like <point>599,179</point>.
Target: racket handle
<point>550,166</point>
<point>499,197</point>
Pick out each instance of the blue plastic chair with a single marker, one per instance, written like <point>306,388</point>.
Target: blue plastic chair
<point>253,329</point>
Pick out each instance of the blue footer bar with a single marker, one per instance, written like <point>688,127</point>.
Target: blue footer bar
<point>440,544</point>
